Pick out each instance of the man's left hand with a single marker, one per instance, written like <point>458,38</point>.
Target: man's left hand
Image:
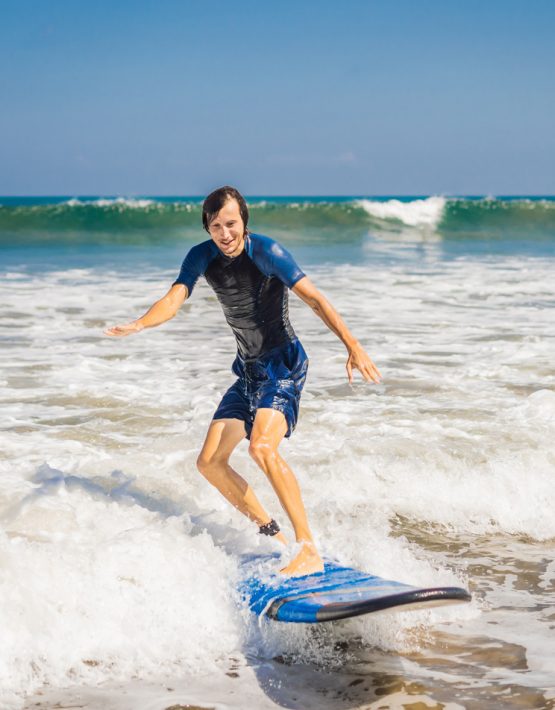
<point>359,359</point>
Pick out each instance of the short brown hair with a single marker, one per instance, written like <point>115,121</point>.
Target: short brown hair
<point>217,199</point>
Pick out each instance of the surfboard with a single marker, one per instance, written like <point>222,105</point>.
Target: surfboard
<point>336,593</point>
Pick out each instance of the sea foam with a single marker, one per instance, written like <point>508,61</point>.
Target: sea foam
<point>415,213</point>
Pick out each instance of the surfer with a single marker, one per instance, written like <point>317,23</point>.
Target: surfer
<point>251,275</point>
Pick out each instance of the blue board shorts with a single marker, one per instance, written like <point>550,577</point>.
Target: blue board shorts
<point>274,380</point>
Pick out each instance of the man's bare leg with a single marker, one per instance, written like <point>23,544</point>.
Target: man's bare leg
<point>213,462</point>
<point>268,431</point>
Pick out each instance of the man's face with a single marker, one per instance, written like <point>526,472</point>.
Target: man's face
<point>227,229</point>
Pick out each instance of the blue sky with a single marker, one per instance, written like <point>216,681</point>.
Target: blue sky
<point>282,98</point>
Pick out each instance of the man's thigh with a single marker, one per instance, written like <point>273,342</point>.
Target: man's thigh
<point>221,439</point>
<point>283,397</point>
<point>270,425</point>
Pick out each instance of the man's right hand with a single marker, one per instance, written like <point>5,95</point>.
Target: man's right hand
<point>120,331</point>
<point>158,313</point>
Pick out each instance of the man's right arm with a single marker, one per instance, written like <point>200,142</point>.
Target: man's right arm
<point>160,312</point>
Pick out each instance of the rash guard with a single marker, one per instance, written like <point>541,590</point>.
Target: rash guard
<point>252,289</point>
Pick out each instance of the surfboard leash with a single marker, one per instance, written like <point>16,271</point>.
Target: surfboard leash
<point>271,528</point>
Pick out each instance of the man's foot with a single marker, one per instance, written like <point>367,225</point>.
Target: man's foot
<point>308,561</point>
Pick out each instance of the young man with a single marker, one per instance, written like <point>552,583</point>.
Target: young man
<point>250,275</point>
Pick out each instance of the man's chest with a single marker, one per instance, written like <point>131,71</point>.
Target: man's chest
<point>231,277</point>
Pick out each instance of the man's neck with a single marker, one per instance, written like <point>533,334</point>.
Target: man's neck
<point>240,249</point>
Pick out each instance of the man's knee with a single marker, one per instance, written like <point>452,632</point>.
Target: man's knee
<point>211,466</point>
<point>262,451</point>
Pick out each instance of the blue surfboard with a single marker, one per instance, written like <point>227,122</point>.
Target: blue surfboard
<point>336,593</point>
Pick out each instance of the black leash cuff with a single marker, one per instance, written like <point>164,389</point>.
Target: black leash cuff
<point>271,528</point>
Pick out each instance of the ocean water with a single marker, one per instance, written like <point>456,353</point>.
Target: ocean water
<point>119,562</point>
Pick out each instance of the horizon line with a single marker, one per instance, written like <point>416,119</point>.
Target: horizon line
<point>280,196</point>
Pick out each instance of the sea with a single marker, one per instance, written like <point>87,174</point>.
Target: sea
<point>120,563</point>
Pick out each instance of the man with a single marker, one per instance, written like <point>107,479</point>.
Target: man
<point>250,275</point>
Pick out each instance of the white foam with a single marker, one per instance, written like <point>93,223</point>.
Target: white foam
<point>416,213</point>
<point>92,588</point>
<point>14,275</point>
<point>539,407</point>
<point>128,202</point>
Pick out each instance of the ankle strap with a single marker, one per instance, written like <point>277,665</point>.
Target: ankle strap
<point>271,528</point>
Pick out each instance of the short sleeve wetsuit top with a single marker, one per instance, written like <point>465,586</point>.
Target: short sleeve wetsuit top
<point>253,291</point>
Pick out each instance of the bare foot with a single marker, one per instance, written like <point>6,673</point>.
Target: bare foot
<point>281,537</point>
<point>308,561</point>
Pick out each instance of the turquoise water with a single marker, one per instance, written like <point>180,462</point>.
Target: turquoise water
<point>44,232</point>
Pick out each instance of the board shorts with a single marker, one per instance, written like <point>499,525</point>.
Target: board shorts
<point>274,380</point>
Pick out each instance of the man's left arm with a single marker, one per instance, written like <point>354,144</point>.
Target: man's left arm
<point>358,357</point>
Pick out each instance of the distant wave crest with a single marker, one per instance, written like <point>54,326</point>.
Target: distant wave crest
<point>426,212</point>
<point>126,203</point>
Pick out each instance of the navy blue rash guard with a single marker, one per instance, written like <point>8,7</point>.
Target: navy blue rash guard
<point>252,289</point>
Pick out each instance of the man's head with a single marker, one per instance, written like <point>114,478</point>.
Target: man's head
<point>225,217</point>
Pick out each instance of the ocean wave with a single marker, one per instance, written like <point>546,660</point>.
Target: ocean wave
<point>121,219</point>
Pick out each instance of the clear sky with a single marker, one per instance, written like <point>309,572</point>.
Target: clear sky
<point>278,98</point>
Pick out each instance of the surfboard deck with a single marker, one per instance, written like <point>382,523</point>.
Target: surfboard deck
<point>336,593</point>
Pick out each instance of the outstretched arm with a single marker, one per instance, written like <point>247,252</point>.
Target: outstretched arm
<point>158,313</point>
<point>358,358</point>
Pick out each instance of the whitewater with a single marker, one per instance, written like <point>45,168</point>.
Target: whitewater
<point>119,562</point>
